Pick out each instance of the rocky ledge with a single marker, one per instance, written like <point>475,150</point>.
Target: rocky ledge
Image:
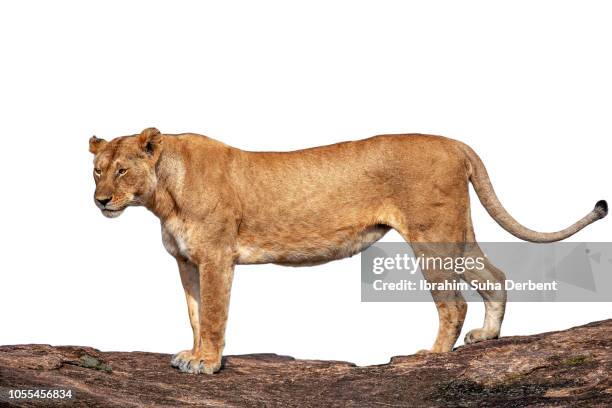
<point>566,368</point>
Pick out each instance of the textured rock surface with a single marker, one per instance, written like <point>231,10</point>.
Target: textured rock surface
<point>567,368</point>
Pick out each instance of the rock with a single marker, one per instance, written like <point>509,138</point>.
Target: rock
<point>567,368</point>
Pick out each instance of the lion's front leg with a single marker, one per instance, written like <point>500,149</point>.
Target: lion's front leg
<point>190,279</point>
<point>215,278</point>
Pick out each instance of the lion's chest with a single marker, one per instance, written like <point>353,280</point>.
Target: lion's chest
<point>176,237</point>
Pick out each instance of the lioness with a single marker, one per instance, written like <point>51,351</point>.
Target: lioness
<point>220,206</point>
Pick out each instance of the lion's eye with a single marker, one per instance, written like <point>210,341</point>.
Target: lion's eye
<point>97,172</point>
<point>121,172</point>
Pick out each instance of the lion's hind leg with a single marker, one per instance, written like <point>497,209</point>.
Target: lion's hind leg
<point>440,236</point>
<point>449,301</point>
<point>491,286</point>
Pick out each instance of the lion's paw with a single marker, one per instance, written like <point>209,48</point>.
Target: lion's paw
<point>181,358</point>
<point>188,363</point>
<point>476,335</point>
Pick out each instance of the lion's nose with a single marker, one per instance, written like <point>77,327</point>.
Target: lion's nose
<point>103,201</point>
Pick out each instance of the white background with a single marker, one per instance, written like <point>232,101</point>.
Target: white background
<point>526,84</point>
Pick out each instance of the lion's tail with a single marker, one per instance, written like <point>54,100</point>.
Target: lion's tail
<point>486,194</point>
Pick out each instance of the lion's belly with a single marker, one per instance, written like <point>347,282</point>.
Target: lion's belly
<point>310,251</point>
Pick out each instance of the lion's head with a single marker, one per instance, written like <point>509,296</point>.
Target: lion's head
<point>124,170</point>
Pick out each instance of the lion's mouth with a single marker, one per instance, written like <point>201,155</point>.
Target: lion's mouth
<point>112,213</point>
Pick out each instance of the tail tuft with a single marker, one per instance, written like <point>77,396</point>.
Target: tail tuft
<point>601,208</point>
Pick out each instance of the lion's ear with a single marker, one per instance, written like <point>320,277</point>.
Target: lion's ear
<point>150,141</point>
<point>95,144</point>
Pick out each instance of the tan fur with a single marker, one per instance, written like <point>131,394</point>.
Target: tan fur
<point>220,206</point>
